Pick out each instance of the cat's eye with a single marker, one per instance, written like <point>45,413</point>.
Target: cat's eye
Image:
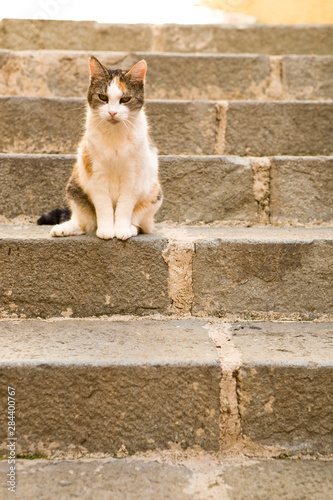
<point>125,99</point>
<point>103,97</point>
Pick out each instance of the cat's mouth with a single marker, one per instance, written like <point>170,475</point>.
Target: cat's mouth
<point>113,120</point>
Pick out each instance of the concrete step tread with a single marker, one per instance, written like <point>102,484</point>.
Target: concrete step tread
<point>276,377</point>
<point>170,476</point>
<point>245,128</point>
<point>162,341</point>
<point>22,34</point>
<point>106,343</point>
<point>249,273</point>
<point>185,233</point>
<point>173,75</point>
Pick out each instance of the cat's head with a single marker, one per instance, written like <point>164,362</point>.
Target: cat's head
<point>116,95</point>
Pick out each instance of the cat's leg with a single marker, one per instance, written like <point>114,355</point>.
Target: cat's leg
<point>104,213</point>
<point>101,203</point>
<point>83,221</point>
<point>123,227</point>
<point>83,217</point>
<point>144,212</point>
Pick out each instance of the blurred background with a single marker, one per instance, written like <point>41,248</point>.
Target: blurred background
<point>174,11</point>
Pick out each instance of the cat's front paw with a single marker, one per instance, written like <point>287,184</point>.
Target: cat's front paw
<point>125,232</point>
<point>105,232</point>
<point>68,228</point>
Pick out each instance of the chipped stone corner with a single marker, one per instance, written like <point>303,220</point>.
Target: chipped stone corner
<point>179,257</point>
<point>261,187</point>
<point>221,127</point>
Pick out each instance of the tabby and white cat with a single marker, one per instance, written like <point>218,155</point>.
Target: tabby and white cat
<point>114,188</point>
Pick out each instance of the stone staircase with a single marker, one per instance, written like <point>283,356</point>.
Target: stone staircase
<point>215,331</point>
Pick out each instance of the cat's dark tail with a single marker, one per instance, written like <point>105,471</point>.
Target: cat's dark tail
<point>54,217</point>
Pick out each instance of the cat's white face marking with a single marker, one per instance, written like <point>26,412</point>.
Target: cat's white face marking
<point>113,110</point>
<point>114,91</point>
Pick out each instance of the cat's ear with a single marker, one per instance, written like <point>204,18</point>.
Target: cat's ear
<point>97,70</point>
<point>138,72</point>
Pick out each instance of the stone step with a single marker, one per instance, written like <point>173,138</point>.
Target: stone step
<point>103,385</point>
<point>108,386</point>
<point>54,125</point>
<point>23,34</point>
<point>171,475</point>
<point>280,190</point>
<point>251,273</point>
<point>173,76</point>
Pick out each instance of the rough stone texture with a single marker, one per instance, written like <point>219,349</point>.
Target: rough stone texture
<point>33,184</point>
<point>279,128</point>
<point>206,188</point>
<point>285,383</point>
<point>170,76</point>
<point>55,125</point>
<point>245,271</point>
<point>301,190</point>
<point>255,39</point>
<point>103,385</point>
<point>22,34</point>
<point>80,276</point>
<point>183,127</point>
<point>163,478</point>
<point>280,479</point>
<point>250,271</point>
<point>307,77</point>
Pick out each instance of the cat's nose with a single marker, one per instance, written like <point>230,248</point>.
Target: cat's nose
<point>113,113</point>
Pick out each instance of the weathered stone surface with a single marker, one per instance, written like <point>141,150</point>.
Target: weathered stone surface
<point>277,479</point>
<point>101,385</point>
<point>206,188</point>
<point>170,76</point>
<point>285,383</point>
<point>21,34</point>
<point>279,128</point>
<point>33,184</point>
<point>249,271</point>
<point>53,125</point>
<point>171,479</point>
<point>183,127</point>
<point>243,271</point>
<point>301,190</point>
<point>82,276</point>
<point>307,77</point>
<point>255,39</point>
<point>46,125</point>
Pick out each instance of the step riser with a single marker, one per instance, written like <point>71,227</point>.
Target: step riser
<point>243,276</point>
<point>16,34</point>
<point>65,74</point>
<point>196,188</point>
<point>86,407</point>
<point>135,394</point>
<point>45,125</point>
<point>284,383</point>
<point>100,385</point>
<point>226,187</point>
<point>249,279</point>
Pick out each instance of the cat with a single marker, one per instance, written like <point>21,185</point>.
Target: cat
<point>114,188</point>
